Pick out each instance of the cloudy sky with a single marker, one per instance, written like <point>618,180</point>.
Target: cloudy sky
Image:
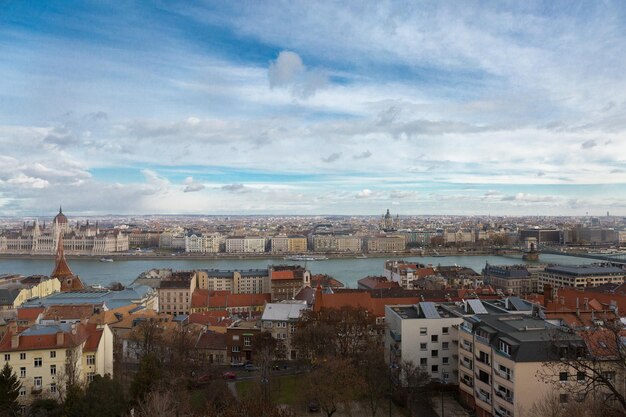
<point>313,107</point>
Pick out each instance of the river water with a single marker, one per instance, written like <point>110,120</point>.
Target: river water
<point>348,271</point>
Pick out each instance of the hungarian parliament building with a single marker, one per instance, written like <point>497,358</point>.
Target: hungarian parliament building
<point>87,239</point>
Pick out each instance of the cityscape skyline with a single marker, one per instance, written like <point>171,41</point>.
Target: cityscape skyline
<point>347,109</point>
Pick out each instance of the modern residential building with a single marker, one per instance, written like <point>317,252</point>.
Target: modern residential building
<point>500,357</point>
<point>580,276</point>
<point>280,319</point>
<point>425,333</point>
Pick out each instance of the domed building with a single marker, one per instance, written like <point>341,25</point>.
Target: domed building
<point>60,222</point>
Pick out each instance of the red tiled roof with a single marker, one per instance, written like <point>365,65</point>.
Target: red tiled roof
<point>62,312</point>
<point>377,282</point>
<point>212,340</point>
<point>284,274</point>
<point>93,340</point>
<point>79,334</point>
<point>29,314</point>
<point>224,299</point>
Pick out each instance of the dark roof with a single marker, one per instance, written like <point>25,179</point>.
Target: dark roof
<point>586,270</point>
<point>8,295</point>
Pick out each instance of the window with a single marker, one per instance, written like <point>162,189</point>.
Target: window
<point>91,359</point>
<point>90,376</point>
<point>22,392</point>
<point>483,376</point>
<point>434,338</point>
<point>445,360</point>
<point>38,382</point>
<point>504,347</point>
<point>37,362</point>
<point>423,331</point>
<point>53,354</point>
<point>22,372</point>
<point>563,398</point>
<point>235,337</point>
<point>423,361</point>
<point>53,369</point>
<point>247,341</point>
<point>434,353</point>
<point>609,376</point>
<point>434,369</point>
<point>580,376</point>
<point>483,357</point>
<point>563,377</point>
<point>423,346</point>
<point>7,357</point>
<point>235,349</point>
<point>53,388</point>
<point>444,345</point>
<point>444,330</point>
<point>22,356</point>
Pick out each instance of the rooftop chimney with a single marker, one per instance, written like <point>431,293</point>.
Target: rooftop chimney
<point>60,338</point>
<point>547,295</point>
<point>15,341</point>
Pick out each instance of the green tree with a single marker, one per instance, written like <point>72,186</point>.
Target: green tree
<point>147,377</point>
<point>9,391</point>
<point>108,394</point>
<point>45,407</point>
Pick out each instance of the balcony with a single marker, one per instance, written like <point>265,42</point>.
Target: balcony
<point>466,347</point>
<point>467,364</point>
<point>506,397</point>
<point>468,382</point>
<point>501,413</point>
<point>36,390</point>
<point>483,397</point>
<point>503,375</point>
<point>482,340</point>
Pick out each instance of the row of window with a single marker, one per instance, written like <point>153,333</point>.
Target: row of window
<point>7,357</point>
<point>444,346</point>
<point>424,330</point>
<point>444,360</point>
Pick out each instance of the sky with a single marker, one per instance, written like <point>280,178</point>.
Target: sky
<point>282,107</point>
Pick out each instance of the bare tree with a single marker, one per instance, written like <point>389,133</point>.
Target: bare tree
<point>334,384</point>
<point>553,404</point>
<point>164,403</point>
<point>376,376</point>
<point>346,333</point>
<point>69,379</point>
<point>595,366</point>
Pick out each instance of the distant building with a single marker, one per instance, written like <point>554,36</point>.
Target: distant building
<point>386,244</point>
<point>460,236</point>
<point>79,239</point>
<point>245,244</point>
<point>337,243</point>
<point>203,242</point>
<point>251,281</point>
<point>287,280</point>
<point>551,236</point>
<point>376,283</point>
<point>15,291</point>
<point>580,276</point>
<point>288,244</point>
<point>406,273</point>
<point>175,293</point>
<point>511,279</point>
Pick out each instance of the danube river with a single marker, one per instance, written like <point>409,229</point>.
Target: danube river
<point>346,270</point>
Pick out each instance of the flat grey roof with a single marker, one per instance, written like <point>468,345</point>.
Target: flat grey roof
<point>586,270</point>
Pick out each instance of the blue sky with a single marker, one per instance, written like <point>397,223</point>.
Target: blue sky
<point>326,108</point>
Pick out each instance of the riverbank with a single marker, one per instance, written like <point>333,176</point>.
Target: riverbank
<point>143,256</point>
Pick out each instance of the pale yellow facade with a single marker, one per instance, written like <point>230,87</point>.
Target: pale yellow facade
<point>43,289</point>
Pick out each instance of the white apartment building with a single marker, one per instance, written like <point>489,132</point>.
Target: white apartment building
<point>245,244</point>
<point>251,281</point>
<point>203,242</point>
<point>425,334</point>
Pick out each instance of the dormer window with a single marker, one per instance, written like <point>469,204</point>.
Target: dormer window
<point>504,347</point>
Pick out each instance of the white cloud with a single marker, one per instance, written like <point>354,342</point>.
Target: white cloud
<point>289,71</point>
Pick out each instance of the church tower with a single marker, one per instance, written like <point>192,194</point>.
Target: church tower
<point>62,271</point>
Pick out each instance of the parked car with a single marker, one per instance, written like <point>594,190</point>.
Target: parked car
<point>229,375</point>
<point>250,367</point>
